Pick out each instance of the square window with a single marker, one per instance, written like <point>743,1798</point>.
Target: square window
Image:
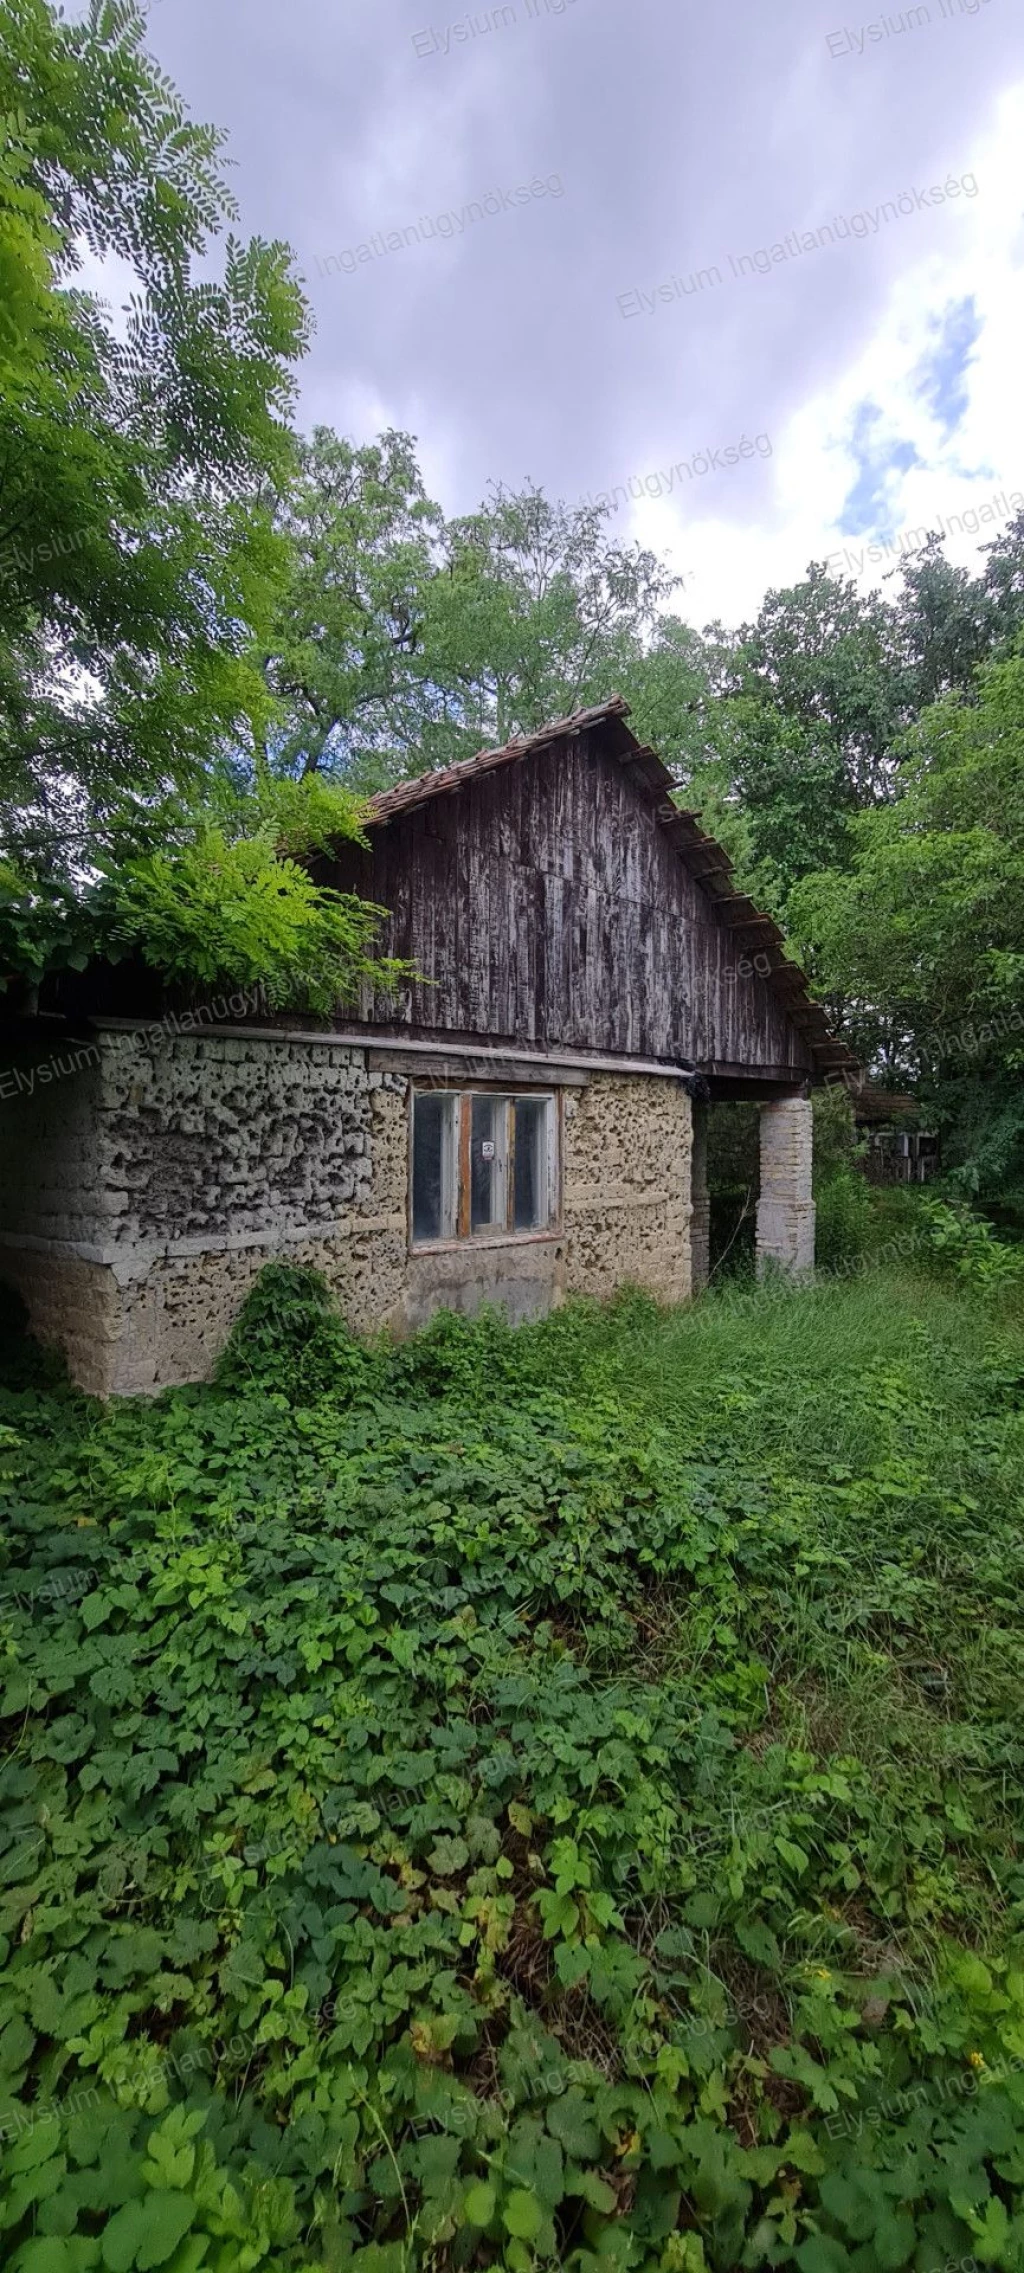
<point>483,1165</point>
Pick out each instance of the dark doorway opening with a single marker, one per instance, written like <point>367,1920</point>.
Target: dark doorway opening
<point>734,1146</point>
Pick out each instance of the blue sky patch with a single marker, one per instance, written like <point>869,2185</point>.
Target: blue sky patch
<point>867,510</point>
<point>940,380</point>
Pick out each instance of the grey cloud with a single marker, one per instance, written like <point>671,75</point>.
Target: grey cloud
<point>681,134</point>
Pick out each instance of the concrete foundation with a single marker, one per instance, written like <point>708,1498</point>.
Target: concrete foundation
<point>785,1209</point>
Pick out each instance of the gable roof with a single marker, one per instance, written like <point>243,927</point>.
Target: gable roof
<point>702,855</point>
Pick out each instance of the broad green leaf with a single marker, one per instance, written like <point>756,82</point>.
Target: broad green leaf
<point>479,2204</point>
<point>39,2143</point>
<point>570,2120</point>
<point>51,2254</point>
<point>522,2214</point>
<point>448,1857</point>
<point>145,2234</point>
<point>821,2255</point>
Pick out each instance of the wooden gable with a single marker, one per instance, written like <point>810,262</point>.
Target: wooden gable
<point>549,894</point>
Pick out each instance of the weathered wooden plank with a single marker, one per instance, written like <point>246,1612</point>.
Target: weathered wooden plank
<point>548,900</point>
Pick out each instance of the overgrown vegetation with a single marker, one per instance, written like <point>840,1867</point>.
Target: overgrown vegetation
<point>525,1798</point>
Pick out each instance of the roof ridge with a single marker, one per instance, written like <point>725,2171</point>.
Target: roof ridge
<point>437,779</point>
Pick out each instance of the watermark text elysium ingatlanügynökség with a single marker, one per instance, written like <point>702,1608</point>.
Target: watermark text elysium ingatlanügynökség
<point>447,225</point>
<point>446,39</point>
<point>856,39</point>
<point>657,484</point>
<point>863,224</point>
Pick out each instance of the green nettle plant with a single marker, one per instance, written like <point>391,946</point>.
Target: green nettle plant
<point>958,1239</point>
<point>521,1799</point>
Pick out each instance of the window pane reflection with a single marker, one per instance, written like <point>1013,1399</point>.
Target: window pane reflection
<point>530,1210</point>
<point>431,1154</point>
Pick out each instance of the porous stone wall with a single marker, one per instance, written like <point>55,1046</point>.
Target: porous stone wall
<point>627,1187</point>
<point>178,1311</point>
<point>52,1172</point>
<point>141,1196</point>
<point>212,1137</point>
<point>143,1192</point>
<point>72,1305</point>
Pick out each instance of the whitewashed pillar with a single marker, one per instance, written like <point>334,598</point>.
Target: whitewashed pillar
<point>785,1210</point>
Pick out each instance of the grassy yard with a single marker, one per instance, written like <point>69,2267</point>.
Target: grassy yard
<point>551,1797</point>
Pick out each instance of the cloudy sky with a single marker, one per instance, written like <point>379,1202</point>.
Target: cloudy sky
<point>600,243</point>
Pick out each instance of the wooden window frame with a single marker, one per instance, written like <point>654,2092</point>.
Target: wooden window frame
<point>457,1198</point>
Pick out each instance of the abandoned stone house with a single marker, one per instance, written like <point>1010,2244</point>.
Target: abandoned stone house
<point>526,1123</point>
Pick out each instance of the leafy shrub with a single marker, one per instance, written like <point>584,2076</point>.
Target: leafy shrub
<point>289,1336</point>
<point>844,1218</point>
<point>457,1353</point>
<point>733,1170</point>
<point>41,923</point>
<point>733,1223</point>
<point>837,1144</point>
<point>959,1241</point>
<point>842,1198</point>
<point>152,2191</point>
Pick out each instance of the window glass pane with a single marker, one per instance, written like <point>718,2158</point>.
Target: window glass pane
<point>483,1161</point>
<point>531,1209</point>
<point>432,1165</point>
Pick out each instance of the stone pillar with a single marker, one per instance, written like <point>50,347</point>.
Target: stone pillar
<point>785,1210</point>
<point>700,1201</point>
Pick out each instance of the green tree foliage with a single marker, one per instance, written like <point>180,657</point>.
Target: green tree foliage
<point>139,564</point>
<point>240,909</point>
<point>786,729</point>
<point>1004,582</point>
<point>136,558</point>
<point>950,621</point>
<point>924,933</point>
<point>215,894</point>
<point>535,614</point>
<point>28,241</point>
<point>345,659</point>
<point>799,737</point>
<point>404,641</point>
